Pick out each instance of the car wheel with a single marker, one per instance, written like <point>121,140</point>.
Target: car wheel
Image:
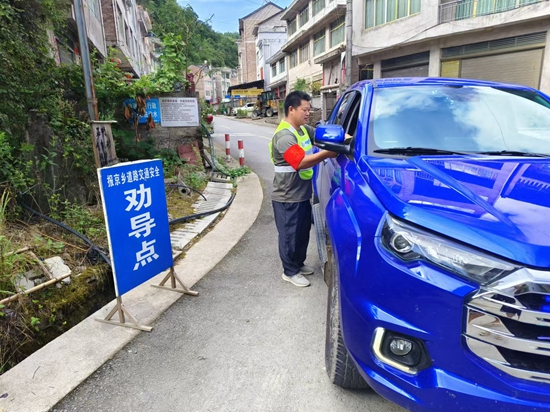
<point>269,112</point>
<point>340,367</point>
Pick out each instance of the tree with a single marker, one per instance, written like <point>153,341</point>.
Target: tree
<point>201,41</point>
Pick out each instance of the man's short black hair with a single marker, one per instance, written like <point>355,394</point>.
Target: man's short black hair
<point>294,99</point>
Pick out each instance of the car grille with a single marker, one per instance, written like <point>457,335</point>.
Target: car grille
<point>508,324</point>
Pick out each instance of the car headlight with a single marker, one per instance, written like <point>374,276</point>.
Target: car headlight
<point>409,244</point>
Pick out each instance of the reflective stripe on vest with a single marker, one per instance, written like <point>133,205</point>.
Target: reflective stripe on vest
<point>284,169</point>
<point>305,143</point>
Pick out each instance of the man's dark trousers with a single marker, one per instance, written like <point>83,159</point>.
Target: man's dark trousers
<point>293,222</point>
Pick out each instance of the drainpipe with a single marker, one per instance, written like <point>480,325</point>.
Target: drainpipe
<point>349,40</point>
<point>86,62</point>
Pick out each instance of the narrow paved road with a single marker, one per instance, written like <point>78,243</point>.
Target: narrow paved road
<point>249,342</point>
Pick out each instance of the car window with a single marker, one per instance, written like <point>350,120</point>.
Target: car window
<point>352,116</point>
<point>466,119</point>
<point>341,108</point>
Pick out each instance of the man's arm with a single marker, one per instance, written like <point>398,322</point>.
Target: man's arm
<point>316,158</point>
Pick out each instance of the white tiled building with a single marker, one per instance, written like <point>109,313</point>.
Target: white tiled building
<point>270,37</point>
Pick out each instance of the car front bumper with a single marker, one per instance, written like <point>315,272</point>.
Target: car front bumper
<point>426,303</point>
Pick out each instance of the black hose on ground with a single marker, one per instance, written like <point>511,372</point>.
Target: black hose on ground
<point>74,232</point>
<point>199,215</point>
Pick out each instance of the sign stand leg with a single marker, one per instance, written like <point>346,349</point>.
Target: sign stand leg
<point>122,313</point>
<point>173,277</point>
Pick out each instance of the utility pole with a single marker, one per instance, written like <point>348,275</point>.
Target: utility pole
<point>349,41</point>
<point>86,62</point>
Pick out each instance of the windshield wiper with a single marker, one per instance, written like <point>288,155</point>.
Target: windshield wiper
<point>413,151</point>
<point>512,153</point>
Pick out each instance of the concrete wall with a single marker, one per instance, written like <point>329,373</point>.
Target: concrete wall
<point>172,137</point>
<point>307,70</point>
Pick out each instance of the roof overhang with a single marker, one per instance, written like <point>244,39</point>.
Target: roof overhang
<point>276,57</point>
<point>292,11</point>
<point>277,83</point>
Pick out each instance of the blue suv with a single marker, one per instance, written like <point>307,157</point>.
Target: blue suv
<point>433,224</point>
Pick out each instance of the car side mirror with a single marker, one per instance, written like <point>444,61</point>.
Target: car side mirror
<point>332,137</point>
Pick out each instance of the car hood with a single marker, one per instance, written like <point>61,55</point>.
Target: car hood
<point>501,205</point>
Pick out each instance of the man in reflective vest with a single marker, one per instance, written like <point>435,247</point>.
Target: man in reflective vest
<point>293,158</point>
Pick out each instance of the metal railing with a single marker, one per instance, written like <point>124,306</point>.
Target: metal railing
<point>465,9</point>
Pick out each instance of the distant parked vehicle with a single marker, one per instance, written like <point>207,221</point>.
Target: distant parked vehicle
<point>249,107</point>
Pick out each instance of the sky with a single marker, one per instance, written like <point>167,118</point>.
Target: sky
<point>227,12</point>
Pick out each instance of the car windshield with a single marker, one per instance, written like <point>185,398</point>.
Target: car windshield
<point>460,119</point>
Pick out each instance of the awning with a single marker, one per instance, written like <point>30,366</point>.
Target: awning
<point>258,84</point>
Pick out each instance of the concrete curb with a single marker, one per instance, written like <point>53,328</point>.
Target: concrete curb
<point>44,378</point>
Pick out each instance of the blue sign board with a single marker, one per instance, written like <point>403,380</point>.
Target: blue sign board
<point>136,215</point>
<point>152,106</point>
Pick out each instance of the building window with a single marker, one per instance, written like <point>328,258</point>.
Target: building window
<point>337,31</point>
<point>274,70</point>
<point>304,16</point>
<point>318,5</point>
<point>319,43</point>
<point>294,59</point>
<point>380,12</point>
<point>366,72</point>
<point>466,9</point>
<point>304,52</point>
<point>292,27</point>
<point>282,66</point>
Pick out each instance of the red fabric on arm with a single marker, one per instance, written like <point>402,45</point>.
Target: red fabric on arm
<point>294,155</point>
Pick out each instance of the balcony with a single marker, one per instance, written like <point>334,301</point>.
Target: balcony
<point>465,9</point>
<point>329,13</point>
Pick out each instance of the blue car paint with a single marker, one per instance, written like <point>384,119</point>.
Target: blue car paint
<point>418,298</point>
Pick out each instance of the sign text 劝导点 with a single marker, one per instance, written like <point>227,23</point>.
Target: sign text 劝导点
<point>134,202</point>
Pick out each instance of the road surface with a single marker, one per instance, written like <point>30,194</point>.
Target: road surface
<point>249,342</point>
